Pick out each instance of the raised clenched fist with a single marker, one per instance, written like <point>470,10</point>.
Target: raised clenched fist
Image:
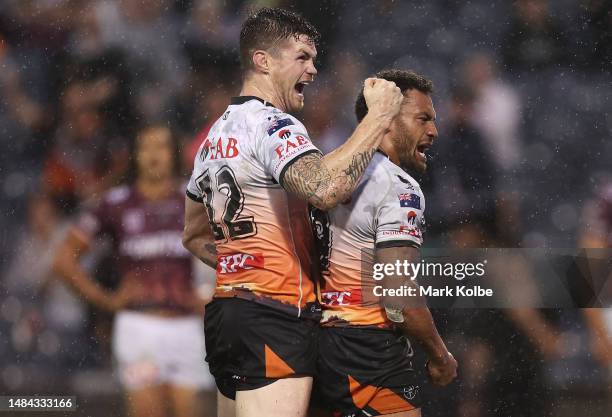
<point>383,97</point>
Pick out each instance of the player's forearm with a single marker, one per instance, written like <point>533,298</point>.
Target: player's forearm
<point>68,269</point>
<point>352,157</point>
<point>419,326</point>
<point>348,163</point>
<point>203,249</point>
<point>327,181</point>
<point>413,316</point>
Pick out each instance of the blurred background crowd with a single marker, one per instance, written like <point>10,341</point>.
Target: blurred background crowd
<point>523,92</point>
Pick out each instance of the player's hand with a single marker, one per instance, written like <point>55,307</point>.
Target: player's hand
<point>442,370</point>
<point>383,97</point>
<point>121,298</point>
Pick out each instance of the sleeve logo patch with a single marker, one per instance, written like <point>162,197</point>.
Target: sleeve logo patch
<point>289,147</point>
<point>279,124</point>
<point>410,200</point>
<point>412,231</point>
<point>284,134</point>
<point>411,216</point>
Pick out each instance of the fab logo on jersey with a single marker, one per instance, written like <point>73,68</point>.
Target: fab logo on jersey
<point>291,143</point>
<point>221,149</point>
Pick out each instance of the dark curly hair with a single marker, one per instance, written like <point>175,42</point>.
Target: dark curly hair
<point>404,79</point>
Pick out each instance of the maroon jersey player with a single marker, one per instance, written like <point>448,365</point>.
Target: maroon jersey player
<point>146,236</point>
<point>158,341</point>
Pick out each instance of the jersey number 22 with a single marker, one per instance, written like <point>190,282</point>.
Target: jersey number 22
<point>236,227</point>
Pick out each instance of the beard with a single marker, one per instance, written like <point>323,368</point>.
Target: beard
<point>410,165</point>
<point>405,147</point>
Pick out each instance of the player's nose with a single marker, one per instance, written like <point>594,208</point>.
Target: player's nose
<point>432,131</point>
<point>312,70</point>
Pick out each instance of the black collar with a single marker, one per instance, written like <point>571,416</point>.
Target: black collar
<point>382,152</point>
<point>244,99</point>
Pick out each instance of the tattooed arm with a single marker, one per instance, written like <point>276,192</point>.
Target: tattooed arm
<point>326,181</point>
<point>197,235</point>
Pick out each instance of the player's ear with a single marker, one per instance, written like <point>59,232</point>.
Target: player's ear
<point>261,61</point>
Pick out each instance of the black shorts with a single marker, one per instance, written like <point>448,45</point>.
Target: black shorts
<point>249,345</point>
<point>365,369</point>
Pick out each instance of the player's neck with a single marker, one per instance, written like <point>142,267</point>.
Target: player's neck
<point>154,189</point>
<point>389,152</point>
<point>253,87</point>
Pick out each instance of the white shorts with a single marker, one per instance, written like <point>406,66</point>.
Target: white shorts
<point>151,350</point>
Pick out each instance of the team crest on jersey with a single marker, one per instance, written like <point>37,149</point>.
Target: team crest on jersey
<point>279,124</point>
<point>410,392</point>
<point>412,216</point>
<point>284,134</point>
<point>410,200</point>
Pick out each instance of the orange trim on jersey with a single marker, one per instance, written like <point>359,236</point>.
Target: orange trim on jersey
<point>275,264</point>
<point>275,366</point>
<point>355,316</point>
<point>383,400</point>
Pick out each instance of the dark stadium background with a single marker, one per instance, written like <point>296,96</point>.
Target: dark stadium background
<point>523,93</point>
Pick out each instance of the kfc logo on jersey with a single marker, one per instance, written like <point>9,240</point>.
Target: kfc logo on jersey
<point>238,262</point>
<point>341,298</point>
